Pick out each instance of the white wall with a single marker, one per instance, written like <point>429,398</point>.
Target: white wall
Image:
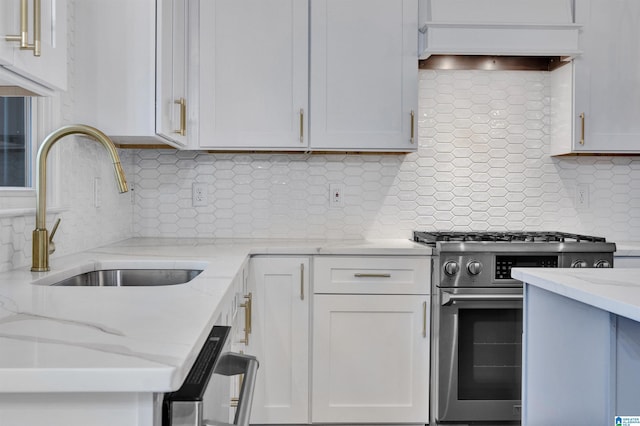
<point>482,164</point>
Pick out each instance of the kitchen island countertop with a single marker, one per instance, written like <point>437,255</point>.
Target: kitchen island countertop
<point>131,339</point>
<point>613,290</point>
<point>581,330</point>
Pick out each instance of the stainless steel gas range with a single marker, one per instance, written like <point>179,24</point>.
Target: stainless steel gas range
<point>476,348</point>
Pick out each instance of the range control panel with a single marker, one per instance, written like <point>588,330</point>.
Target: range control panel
<point>505,263</point>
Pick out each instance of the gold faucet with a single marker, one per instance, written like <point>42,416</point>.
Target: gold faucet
<point>41,240</point>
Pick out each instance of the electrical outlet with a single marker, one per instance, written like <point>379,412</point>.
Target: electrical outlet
<point>582,196</point>
<point>336,195</point>
<point>199,194</point>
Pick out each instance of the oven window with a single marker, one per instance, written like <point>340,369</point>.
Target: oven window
<point>490,354</point>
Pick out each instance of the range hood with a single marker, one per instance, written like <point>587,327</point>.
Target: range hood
<point>515,28</point>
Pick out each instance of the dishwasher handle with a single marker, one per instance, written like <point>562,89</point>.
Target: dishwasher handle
<point>233,364</point>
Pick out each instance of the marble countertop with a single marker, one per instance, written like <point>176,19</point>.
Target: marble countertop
<point>131,339</point>
<point>613,290</point>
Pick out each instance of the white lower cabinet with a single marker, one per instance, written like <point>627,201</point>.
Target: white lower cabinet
<point>240,313</point>
<point>370,340</point>
<point>280,339</point>
<point>370,359</point>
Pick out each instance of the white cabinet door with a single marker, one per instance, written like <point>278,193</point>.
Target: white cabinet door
<point>115,67</point>
<point>173,103</point>
<point>116,80</point>
<point>50,67</point>
<point>280,339</point>
<point>370,359</point>
<point>253,74</point>
<point>607,79</point>
<point>364,74</point>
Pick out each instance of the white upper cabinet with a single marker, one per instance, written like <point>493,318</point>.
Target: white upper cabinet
<point>40,70</point>
<point>253,74</point>
<point>363,74</point>
<point>308,75</point>
<point>599,112</point>
<point>116,79</point>
<point>172,58</point>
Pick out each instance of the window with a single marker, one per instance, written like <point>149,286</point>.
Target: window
<point>24,122</point>
<point>15,142</point>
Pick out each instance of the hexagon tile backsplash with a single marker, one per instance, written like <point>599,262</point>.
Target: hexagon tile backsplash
<point>483,163</point>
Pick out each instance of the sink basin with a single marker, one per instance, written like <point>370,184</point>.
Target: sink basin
<point>130,277</point>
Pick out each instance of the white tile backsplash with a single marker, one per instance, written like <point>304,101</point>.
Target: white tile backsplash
<point>483,163</point>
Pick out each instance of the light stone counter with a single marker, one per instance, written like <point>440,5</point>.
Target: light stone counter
<point>581,345</point>
<point>131,339</point>
<point>612,290</point>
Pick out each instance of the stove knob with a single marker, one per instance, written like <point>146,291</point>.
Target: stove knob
<point>451,267</point>
<point>580,264</point>
<point>474,267</point>
<point>603,264</point>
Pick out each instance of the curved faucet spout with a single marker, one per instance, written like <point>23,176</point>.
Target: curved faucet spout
<point>40,234</point>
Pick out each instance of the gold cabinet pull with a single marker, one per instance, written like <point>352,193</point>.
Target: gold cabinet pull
<point>183,116</point>
<point>37,38</point>
<point>361,275</point>
<point>413,118</point>
<point>247,317</point>
<point>582,118</point>
<point>424,319</point>
<point>301,125</point>
<point>302,281</point>
<point>23,37</point>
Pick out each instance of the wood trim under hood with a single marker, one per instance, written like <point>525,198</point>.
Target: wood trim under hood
<point>493,63</point>
<point>12,91</point>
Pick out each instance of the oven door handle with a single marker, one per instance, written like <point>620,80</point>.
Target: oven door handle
<point>448,298</point>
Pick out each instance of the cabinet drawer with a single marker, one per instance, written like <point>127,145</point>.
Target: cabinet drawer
<point>372,275</point>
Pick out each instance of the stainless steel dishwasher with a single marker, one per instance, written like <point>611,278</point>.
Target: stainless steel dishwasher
<point>204,398</point>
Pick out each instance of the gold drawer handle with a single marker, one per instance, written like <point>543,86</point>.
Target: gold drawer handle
<point>361,275</point>
<point>424,319</point>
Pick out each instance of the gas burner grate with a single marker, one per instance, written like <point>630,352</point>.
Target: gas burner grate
<point>528,237</point>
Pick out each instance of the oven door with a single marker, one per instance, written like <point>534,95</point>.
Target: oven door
<point>479,358</point>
